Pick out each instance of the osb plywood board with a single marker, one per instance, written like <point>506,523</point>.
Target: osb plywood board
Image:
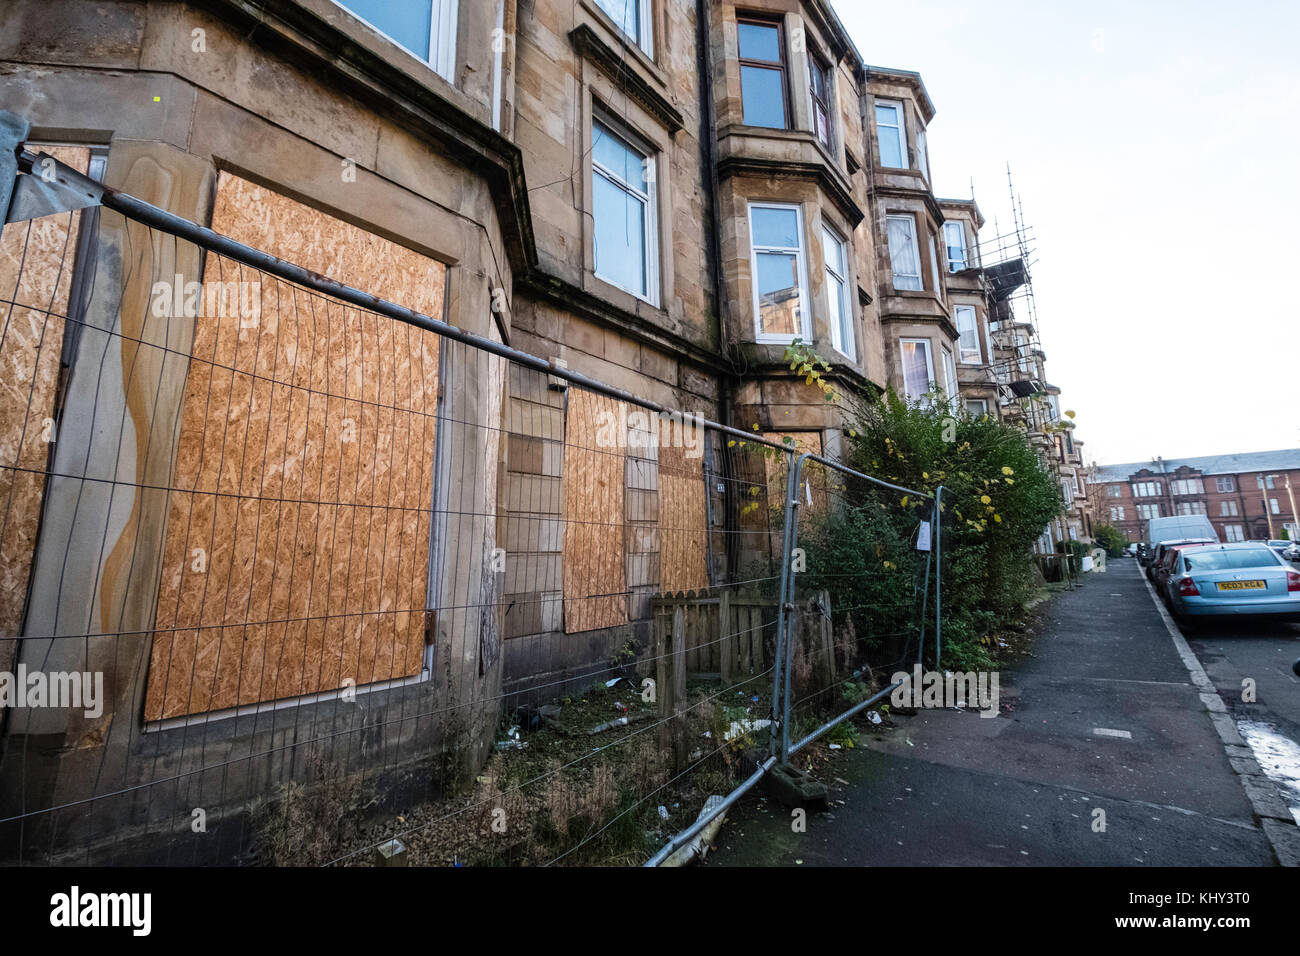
<point>812,493</point>
<point>595,579</point>
<point>683,517</point>
<point>296,551</point>
<point>36,271</point>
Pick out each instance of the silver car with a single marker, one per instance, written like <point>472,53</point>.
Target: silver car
<point>1247,579</point>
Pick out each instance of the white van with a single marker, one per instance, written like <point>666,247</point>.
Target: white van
<point>1179,528</point>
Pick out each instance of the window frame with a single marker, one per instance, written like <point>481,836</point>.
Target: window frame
<point>982,402</point>
<point>901,113</point>
<point>923,398</point>
<point>816,67</point>
<point>952,386</point>
<point>649,199</point>
<point>922,154</point>
<point>801,261</point>
<point>1221,482</point>
<point>644,25</point>
<point>910,218</point>
<point>442,43</point>
<point>781,66</point>
<point>962,351</point>
<point>845,308</point>
<point>964,258</point>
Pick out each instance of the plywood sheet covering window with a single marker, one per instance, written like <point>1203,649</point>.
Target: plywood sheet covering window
<point>683,517</point>
<point>304,472</point>
<point>36,272</point>
<point>595,577</point>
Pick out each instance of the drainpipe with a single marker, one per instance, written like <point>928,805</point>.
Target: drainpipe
<point>707,132</point>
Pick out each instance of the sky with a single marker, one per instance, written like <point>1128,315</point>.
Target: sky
<point>1155,147</point>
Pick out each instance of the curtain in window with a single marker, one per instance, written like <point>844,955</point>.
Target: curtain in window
<point>916,372</point>
<point>903,254</point>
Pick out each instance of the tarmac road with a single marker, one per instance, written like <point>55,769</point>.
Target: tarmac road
<point>948,787</point>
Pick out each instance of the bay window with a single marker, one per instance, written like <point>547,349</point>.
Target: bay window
<point>918,370</point>
<point>892,134</point>
<point>761,47</point>
<point>968,341</point>
<point>954,241</point>
<point>904,255</point>
<point>778,271</point>
<point>835,251</point>
<point>820,79</point>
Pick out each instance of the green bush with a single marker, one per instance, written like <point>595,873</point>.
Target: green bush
<point>997,498</point>
<point>1111,538</point>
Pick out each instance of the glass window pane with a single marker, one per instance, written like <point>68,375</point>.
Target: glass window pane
<point>778,293</point>
<point>759,41</point>
<point>406,21</point>
<point>916,371</point>
<point>762,97</point>
<point>619,236</point>
<point>889,129</point>
<point>903,253</point>
<point>834,250</point>
<point>775,227</point>
<point>625,15</point>
<point>616,156</point>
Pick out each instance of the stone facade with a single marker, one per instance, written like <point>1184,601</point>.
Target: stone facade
<point>487,153</point>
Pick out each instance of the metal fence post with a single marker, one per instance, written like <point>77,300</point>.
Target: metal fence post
<point>787,597</point>
<point>782,618</point>
<point>938,575</point>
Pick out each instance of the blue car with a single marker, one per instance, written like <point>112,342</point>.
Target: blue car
<point>1244,580</point>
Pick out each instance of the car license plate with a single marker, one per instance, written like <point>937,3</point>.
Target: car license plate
<point>1241,585</point>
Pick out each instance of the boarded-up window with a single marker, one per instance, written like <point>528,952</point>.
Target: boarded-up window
<point>595,579</point>
<point>297,541</point>
<point>36,273</point>
<point>683,515</point>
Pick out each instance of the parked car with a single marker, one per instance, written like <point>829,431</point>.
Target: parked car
<point>1162,569</point>
<point>1240,580</point>
<point>1173,529</point>
<point>1278,546</point>
<point>1292,552</point>
<point>1162,550</point>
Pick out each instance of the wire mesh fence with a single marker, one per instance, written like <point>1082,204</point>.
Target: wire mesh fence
<point>292,575</point>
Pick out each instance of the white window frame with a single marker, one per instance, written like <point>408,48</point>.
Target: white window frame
<point>1225,485</point>
<point>442,36</point>
<point>648,197</point>
<point>1274,506</point>
<point>1117,513</point>
<point>983,404</point>
<point>901,114</point>
<point>923,398</point>
<point>1265,482</point>
<point>934,265</point>
<point>963,354</point>
<point>845,324</point>
<point>1228,509</point>
<point>1234,532</point>
<point>951,387</point>
<point>801,260</point>
<point>910,219</point>
<point>964,259</point>
<point>645,24</point>
<point>922,154</point>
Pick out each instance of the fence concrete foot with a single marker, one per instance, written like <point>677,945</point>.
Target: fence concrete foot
<point>796,788</point>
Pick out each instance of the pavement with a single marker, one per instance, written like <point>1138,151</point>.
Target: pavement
<point>1111,749</point>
